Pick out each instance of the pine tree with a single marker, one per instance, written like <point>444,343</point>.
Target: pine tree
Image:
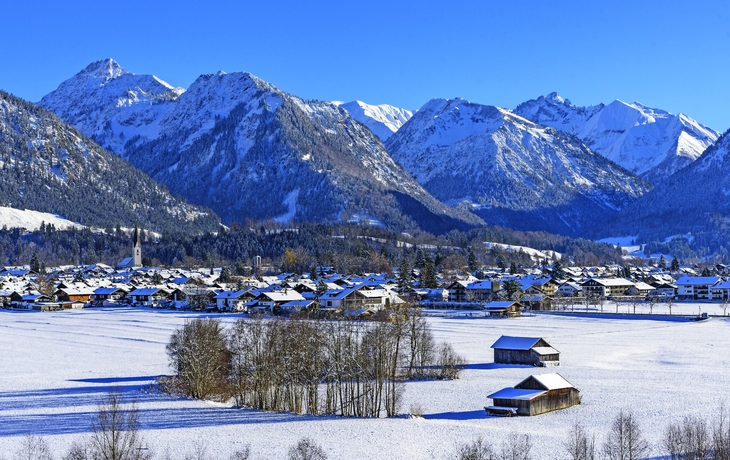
<point>472,262</point>
<point>662,262</point>
<point>428,277</point>
<point>675,264</point>
<point>35,265</point>
<point>404,275</point>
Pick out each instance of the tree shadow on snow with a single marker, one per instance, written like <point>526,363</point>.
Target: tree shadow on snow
<point>487,366</point>
<point>466,415</point>
<point>45,424</point>
<point>79,396</point>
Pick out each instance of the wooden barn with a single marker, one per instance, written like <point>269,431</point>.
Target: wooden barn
<point>534,351</point>
<point>535,395</point>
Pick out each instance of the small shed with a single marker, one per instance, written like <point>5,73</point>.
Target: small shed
<point>534,351</point>
<point>504,309</point>
<point>536,395</point>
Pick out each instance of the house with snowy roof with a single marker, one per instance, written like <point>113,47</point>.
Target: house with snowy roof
<point>533,351</point>
<point>696,287</point>
<point>234,301</point>
<point>606,287</point>
<point>720,291</point>
<point>535,395</point>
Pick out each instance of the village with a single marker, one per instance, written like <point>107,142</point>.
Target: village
<point>324,293</point>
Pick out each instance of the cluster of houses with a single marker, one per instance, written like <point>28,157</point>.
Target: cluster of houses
<point>357,295</point>
<point>101,285</point>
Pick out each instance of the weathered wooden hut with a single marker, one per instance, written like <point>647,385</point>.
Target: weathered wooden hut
<point>534,351</point>
<point>535,395</point>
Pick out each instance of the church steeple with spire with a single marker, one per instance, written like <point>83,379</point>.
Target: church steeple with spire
<point>136,248</point>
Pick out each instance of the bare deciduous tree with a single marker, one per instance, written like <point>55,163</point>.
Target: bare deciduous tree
<point>115,432</point>
<point>625,441</point>
<point>721,436</point>
<point>516,447</point>
<point>33,448</point>
<point>198,352</point>
<point>688,440</point>
<point>579,445</point>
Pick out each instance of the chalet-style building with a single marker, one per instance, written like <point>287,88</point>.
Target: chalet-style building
<point>109,295</point>
<point>148,297</point>
<point>482,291</point>
<point>533,351</point>
<point>234,301</point>
<point>75,295</point>
<point>570,289</point>
<point>664,290</point>
<point>535,395</point>
<point>640,289</point>
<point>457,291</point>
<point>606,287</point>
<point>273,300</point>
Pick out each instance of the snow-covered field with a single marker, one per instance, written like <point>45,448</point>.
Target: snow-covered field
<point>55,367</point>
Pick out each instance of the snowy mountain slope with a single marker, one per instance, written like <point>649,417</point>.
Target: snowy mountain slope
<point>46,165</point>
<point>32,220</point>
<point>383,120</point>
<point>649,142</point>
<point>112,105</point>
<point>694,199</point>
<point>246,149</point>
<point>509,170</point>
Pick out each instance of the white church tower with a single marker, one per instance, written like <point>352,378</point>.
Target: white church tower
<point>136,248</point>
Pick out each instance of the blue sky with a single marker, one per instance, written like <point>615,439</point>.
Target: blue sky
<point>671,55</point>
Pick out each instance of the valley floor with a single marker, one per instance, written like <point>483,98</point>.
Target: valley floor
<point>57,366</point>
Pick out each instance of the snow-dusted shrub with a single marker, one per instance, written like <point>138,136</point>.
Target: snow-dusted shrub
<point>476,450</point>
<point>307,449</point>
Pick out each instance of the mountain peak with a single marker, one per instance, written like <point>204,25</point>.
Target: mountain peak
<point>557,99</point>
<point>107,69</point>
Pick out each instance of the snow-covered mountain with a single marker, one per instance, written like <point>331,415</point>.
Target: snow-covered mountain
<point>511,171</point>
<point>112,105</point>
<point>649,142</point>
<point>47,165</point>
<point>383,120</point>
<point>693,200</point>
<point>245,148</point>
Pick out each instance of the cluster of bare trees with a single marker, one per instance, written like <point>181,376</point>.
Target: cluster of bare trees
<point>693,438</point>
<point>347,368</point>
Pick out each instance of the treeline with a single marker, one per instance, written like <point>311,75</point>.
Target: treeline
<point>298,248</point>
<point>347,368</point>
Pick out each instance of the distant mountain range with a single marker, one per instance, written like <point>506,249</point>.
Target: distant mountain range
<point>508,170</point>
<point>649,142</point>
<point>246,149</point>
<point>47,165</point>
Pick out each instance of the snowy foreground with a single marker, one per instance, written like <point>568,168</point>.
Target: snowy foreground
<point>55,368</point>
